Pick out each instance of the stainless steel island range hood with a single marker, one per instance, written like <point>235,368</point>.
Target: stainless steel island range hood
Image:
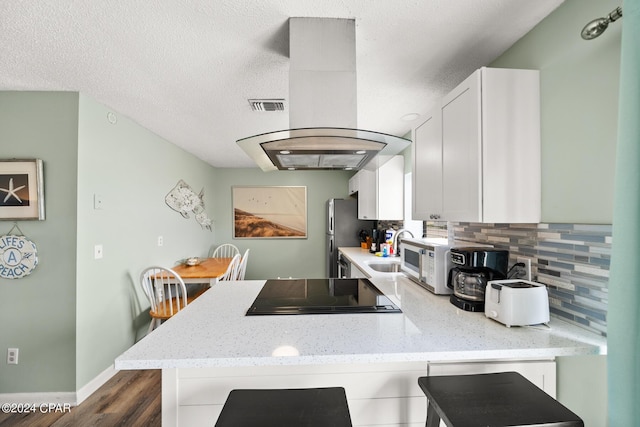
<point>322,106</point>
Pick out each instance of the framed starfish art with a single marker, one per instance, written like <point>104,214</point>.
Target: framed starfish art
<point>21,189</point>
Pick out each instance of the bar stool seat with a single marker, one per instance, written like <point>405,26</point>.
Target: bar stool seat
<point>309,407</point>
<point>502,399</point>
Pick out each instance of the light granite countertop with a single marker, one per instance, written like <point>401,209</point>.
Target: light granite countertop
<point>213,331</point>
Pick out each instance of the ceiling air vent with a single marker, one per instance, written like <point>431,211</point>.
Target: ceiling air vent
<point>267,104</point>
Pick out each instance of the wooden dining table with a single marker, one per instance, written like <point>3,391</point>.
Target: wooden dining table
<point>207,271</point>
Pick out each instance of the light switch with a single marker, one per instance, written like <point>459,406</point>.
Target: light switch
<point>97,252</point>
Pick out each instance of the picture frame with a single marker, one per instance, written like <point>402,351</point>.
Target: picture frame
<point>21,189</point>
<point>269,212</point>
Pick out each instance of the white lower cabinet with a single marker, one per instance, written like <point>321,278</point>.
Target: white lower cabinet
<point>356,273</point>
<point>385,394</point>
<point>380,394</point>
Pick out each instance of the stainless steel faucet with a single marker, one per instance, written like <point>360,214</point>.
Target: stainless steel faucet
<point>394,243</point>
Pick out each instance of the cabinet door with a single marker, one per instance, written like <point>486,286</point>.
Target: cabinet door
<point>462,152</point>
<point>353,184</point>
<point>511,172</point>
<point>427,168</point>
<point>367,194</point>
<point>390,183</point>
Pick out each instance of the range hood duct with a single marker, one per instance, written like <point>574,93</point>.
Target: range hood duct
<point>323,111</point>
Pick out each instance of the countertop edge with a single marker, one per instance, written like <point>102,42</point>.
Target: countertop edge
<point>446,356</point>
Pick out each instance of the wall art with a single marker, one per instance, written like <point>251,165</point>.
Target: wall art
<point>184,200</point>
<point>21,189</point>
<point>269,212</point>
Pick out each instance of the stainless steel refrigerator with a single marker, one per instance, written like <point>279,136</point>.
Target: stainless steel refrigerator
<point>343,229</point>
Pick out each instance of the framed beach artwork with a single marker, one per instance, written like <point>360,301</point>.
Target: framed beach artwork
<point>21,190</point>
<point>266,212</point>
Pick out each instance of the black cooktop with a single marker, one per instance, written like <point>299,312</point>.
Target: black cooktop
<point>320,296</point>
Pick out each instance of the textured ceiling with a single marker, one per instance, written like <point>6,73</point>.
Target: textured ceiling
<point>185,69</point>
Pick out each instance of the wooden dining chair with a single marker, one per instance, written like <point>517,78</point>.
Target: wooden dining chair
<point>242,268</point>
<point>226,250</point>
<point>166,292</point>
<point>232,269</point>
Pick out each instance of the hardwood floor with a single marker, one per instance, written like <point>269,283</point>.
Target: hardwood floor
<point>129,398</point>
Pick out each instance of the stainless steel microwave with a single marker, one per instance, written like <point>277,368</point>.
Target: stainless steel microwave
<point>427,262</point>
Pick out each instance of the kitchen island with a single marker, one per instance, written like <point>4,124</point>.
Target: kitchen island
<point>212,347</point>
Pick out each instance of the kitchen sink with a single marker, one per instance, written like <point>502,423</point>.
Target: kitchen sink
<point>385,267</point>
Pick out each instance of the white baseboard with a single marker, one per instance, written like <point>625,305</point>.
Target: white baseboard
<point>68,398</point>
<point>95,384</point>
<point>62,398</point>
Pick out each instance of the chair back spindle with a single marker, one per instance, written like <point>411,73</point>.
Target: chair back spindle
<point>226,250</point>
<point>232,270</point>
<point>166,292</point>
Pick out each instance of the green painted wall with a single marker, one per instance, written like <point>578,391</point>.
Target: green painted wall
<point>270,258</point>
<point>132,170</point>
<point>37,312</point>
<point>74,315</point>
<point>579,118</point>
<point>579,95</point>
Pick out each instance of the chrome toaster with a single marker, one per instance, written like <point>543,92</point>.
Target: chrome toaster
<point>517,302</point>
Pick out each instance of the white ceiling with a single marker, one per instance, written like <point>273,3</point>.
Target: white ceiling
<point>185,68</point>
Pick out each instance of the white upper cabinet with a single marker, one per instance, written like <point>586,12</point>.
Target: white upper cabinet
<point>354,184</point>
<point>381,192</point>
<point>476,158</point>
<point>426,186</point>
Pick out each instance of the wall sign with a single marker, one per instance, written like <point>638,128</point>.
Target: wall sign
<point>18,256</point>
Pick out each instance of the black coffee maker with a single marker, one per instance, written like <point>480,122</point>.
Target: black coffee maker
<point>472,268</point>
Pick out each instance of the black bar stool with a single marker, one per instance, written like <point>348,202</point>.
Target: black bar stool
<point>503,399</point>
<point>309,407</point>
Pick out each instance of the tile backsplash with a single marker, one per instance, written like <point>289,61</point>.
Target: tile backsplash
<point>571,259</point>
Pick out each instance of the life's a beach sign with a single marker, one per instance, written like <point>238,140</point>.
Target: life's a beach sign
<point>18,256</point>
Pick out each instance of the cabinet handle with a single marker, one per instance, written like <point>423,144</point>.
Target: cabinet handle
<point>434,216</point>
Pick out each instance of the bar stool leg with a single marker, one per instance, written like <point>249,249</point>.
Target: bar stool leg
<point>433,418</point>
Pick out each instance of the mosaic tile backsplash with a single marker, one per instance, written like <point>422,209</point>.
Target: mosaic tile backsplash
<point>571,259</point>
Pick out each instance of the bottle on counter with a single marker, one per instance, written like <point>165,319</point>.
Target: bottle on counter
<point>389,235</point>
<point>385,249</point>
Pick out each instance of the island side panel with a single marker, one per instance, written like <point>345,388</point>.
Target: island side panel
<point>170,391</point>
<point>377,393</point>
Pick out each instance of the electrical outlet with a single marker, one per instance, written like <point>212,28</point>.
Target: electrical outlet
<point>527,266</point>
<point>12,356</point>
<point>160,240</point>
